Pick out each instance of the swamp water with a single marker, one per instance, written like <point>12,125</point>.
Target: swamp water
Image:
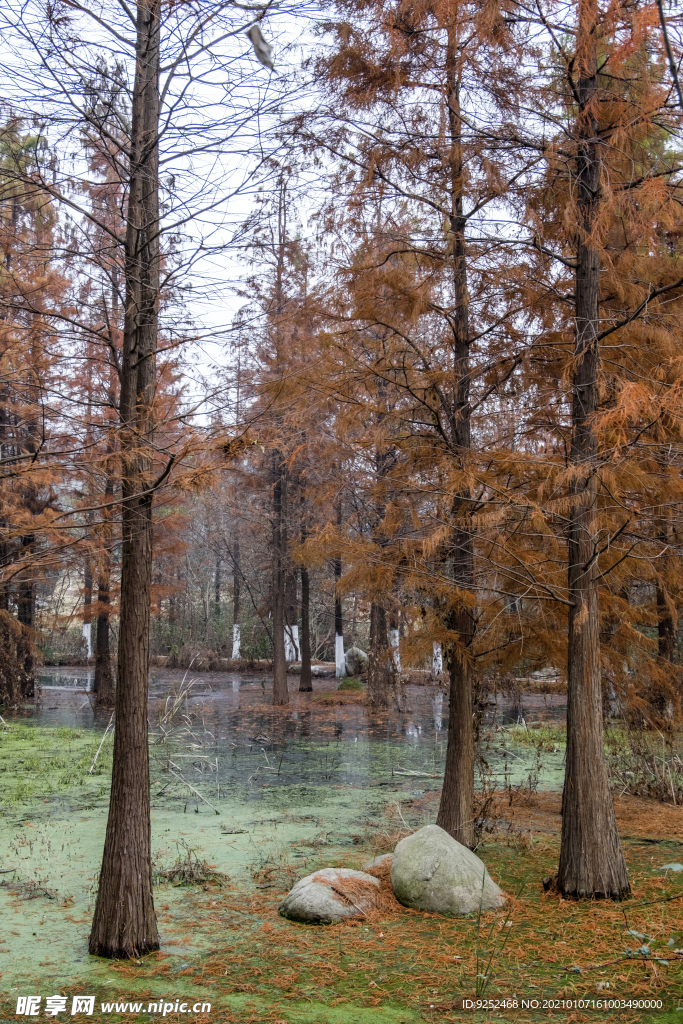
<point>265,795</point>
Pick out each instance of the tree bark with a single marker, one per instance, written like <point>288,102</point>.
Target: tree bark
<point>380,677</point>
<point>26,603</point>
<point>280,692</point>
<point>291,609</point>
<point>457,795</point>
<point>87,607</point>
<point>666,614</point>
<point>236,594</point>
<point>104,679</point>
<point>666,629</point>
<point>306,681</point>
<point>124,922</point>
<point>340,665</point>
<point>591,859</point>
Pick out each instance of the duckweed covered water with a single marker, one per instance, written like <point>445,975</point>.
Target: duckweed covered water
<point>258,792</point>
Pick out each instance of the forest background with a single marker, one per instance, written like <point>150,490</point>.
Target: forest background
<point>443,423</point>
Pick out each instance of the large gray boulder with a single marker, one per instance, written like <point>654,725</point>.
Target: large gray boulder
<point>330,895</point>
<point>431,871</point>
<point>356,661</point>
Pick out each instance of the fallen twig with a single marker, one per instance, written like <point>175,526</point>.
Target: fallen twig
<point>196,791</point>
<point>92,766</point>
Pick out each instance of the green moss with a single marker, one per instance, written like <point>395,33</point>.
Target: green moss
<point>351,684</point>
<point>37,763</point>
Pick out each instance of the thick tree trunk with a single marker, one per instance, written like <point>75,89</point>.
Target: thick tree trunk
<point>280,692</point>
<point>380,676</point>
<point>124,923</point>
<point>591,859</point>
<point>457,796</point>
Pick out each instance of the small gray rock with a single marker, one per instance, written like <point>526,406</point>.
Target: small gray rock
<point>314,900</point>
<point>356,661</point>
<point>378,862</point>
<point>431,871</point>
<point>294,668</point>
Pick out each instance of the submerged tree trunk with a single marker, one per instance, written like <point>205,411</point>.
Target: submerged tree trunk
<point>591,859</point>
<point>280,692</point>
<point>124,922</point>
<point>457,796</point>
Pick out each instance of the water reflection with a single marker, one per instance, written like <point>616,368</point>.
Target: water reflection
<point>67,679</point>
<point>437,706</point>
<point>412,733</point>
<point>229,718</point>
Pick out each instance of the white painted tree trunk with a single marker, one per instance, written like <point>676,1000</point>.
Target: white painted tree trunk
<point>437,660</point>
<point>87,636</point>
<point>339,657</point>
<point>236,641</point>
<point>394,637</point>
<point>291,643</point>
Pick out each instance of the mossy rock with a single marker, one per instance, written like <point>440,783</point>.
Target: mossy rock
<point>431,871</point>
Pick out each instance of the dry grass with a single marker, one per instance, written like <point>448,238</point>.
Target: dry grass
<point>425,963</point>
<point>339,697</point>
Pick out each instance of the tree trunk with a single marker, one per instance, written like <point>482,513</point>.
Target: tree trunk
<point>280,692</point>
<point>217,590</point>
<point>124,923</point>
<point>457,796</point>
<point>26,603</point>
<point>339,662</point>
<point>104,679</point>
<point>591,859</point>
<point>380,677</point>
<point>236,593</point>
<point>87,607</point>
<point>292,652</point>
<point>306,682</point>
<point>666,629</point>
